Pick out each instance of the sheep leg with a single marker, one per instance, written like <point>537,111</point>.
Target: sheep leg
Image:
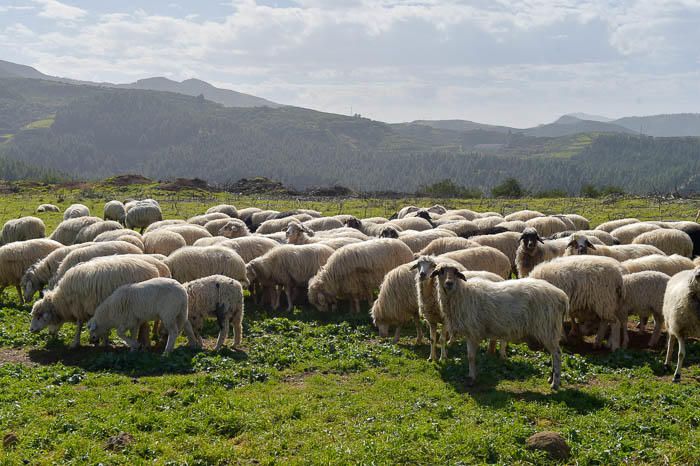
<point>669,352</point>
<point>143,335</point>
<point>625,333</point>
<point>602,329</point>
<point>657,332</point>
<point>76,338</point>
<point>472,349</point>
<point>397,334</point>
<point>681,356</point>
<point>278,298</point>
<point>356,306</point>
<point>615,336</point>
<point>156,328</point>
<point>433,341</point>
<point>238,329</point>
<point>290,302</point>
<point>189,332</point>
<point>492,345</point>
<point>556,368</point>
<point>223,334</point>
<point>444,339</point>
<point>419,332</point>
<point>642,326</point>
<point>19,295</point>
<point>129,340</point>
<point>172,336</point>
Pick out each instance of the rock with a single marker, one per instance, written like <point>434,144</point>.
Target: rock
<point>119,442</point>
<point>10,440</point>
<point>551,442</point>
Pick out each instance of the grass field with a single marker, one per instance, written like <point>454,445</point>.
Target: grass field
<point>319,388</point>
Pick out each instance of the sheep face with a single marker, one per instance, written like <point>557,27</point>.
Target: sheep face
<point>295,233</point>
<point>389,232</point>
<point>43,315</point>
<point>354,223</point>
<point>447,277</point>
<point>28,283</point>
<point>425,266</point>
<point>232,230</point>
<point>530,238</point>
<point>578,246</point>
<point>96,333</point>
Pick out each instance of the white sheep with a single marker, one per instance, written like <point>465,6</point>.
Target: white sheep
<point>644,296</point>
<point>214,226</point>
<point>547,226</point>
<point>682,314</point>
<point>163,241</point>
<point>190,232</point>
<point>410,223</point>
<point>218,296</point>
<point>444,245</point>
<point>487,222</point>
<point>38,274</point>
<point>337,243</point>
<point>48,208</point>
<point>534,250</point>
<point>202,220</point>
<point>163,223</point>
<point>189,263</point>
<point>627,233</point>
<point>234,228</point>
<point>250,247</point>
<point>514,225</point>
<point>77,256</point>
<point>257,218</point>
<point>580,222</point>
<point>133,240</point>
<point>115,210</point>
<point>507,243</point>
<point>67,230</point>
<point>513,310</point>
<point>114,235</point>
<point>580,245</point>
<point>17,257</point>
<point>482,258</point>
<point>613,224</point>
<point>90,232</point>
<point>227,209</point>
<point>142,214</point>
<point>132,305</point>
<point>397,303</point>
<point>323,224</point>
<point>670,265</point>
<point>523,215</point>
<point>460,227</point>
<point>213,241</point>
<point>22,229</point>
<point>247,213</point>
<point>670,241</point>
<point>75,211</point>
<point>83,288</point>
<point>355,271</point>
<point>407,210</point>
<point>280,224</point>
<point>464,213</point>
<point>418,240</point>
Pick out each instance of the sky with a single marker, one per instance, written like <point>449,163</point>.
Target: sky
<point>511,62</point>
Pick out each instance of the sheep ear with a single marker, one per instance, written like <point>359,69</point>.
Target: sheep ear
<point>522,237</point>
<point>414,266</point>
<point>435,273</point>
<point>460,275</point>
<point>572,244</point>
<point>589,245</point>
<point>540,239</point>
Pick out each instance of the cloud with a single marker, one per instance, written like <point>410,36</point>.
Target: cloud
<point>53,9</point>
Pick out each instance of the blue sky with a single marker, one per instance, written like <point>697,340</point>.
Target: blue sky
<point>515,62</point>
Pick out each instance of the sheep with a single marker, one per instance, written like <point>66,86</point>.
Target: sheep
<point>247,213</point>
<point>219,296</point>
<point>257,218</point>
<point>297,233</point>
<point>115,210</point>
<point>202,220</point>
<point>250,247</point>
<point>507,243</point>
<point>343,232</point>
<point>213,241</point>
<point>461,227</point>
<point>234,228</point>
<point>227,209</point>
<point>627,233</point>
<point>670,265</point>
<point>189,263</point>
<point>418,240</point>
<point>114,235</point>
<point>411,223</point>
<point>513,225</point>
<point>644,296</point>
<point>682,314</point>
<point>214,226</point>
<point>143,214</point>
<point>75,211</point>
<point>482,258</point>
<point>692,229</point>
<point>397,303</point>
<point>580,222</point>
<point>513,310</point>
<point>132,305</point>
<point>22,229</point>
<point>406,210</point>
<point>163,223</point>
<point>437,209</point>
<point>83,288</point>
<point>77,256</point>
<point>323,224</point>
<point>604,237</point>
<point>466,214</point>
<point>17,257</point>
<point>67,230</point>
<point>546,226</point>
<point>90,232</point>
<point>156,260</point>
<point>523,215</point>
<point>288,266</point>
<point>355,271</point>
<point>189,232</point>
<point>337,243</point>
<point>670,241</point>
<point>47,208</point>
<point>613,224</point>
<point>530,253</point>
<point>37,276</point>
<point>580,245</point>
<point>595,290</point>
<point>133,240</point>
<point>567,222</point>
<point>369,228</point>
<point>279,224</point>
<point>487,222</point>
<point>442,245</point>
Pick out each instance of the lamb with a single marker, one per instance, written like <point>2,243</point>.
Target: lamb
<point>509,311</point>
<point>38,275</point>
<point>443,245</point>
<point>67,230</point>
<point>163,223</point>
<point>547,226</point>
<point>75,211</point>
<point>250,247</point>
<point>80,255</point>
<point>47,208</point>
<point>189,263</point>
<point>115,210</point>
<point>22,229</point>
<point>627,233</point>
<point>530,253</point>
<point>83,288</point>
<point>418,240</point>
<point>523,215</point>
<point>595,290</point>
<point>613,224</point>
<point>90,232</point>
<point>644,296</point>
<point>202,220</point>
<point>279,224</point>
<point>219,296</point>
<point>682,314</point>
<point>288,266</point>
<point>482,258</point>
<point>189,232</point>
<point>132,305</point>
<point>17,257</point>
<point>670,241</point>
<point>580,245</point>
<point>142,214</point>
<point>235,228</point>
<point>114,235</point>
<point>670,265</point>
<point>227,209</point>
<point>355,271</point>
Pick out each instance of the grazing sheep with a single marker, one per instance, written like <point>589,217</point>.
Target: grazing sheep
<point>487,222</point>
<point>83,288</point>
<point>189,263</point>
<point>580,222</point>
<point>77,256</point>
<point>218,296</point>
<point>213,241</point>
<point>67,230</point>
<point>670,241</point>
<point>507,243</point>
<point>410,223</point>
<point>75,211</point>
<point>418,240</point>
<point>343,232</point>
<point>257,218</point>
<point>214,226</point>
<point>156,260</point>
<point>280,224</point>
<point>355,271</point>
<point>444,245</point>
<point>567,222</point>
<point>132,305</point>
<point>547,226</point>
<point>437,209</point>
<point>482,258</point>
<point>17,257</point>
<point>682,314</point>
<point>250,247</point>
<point>670,265</point>
<point>514,225</point>
<point>227,209</point>
<point>189,232</point>
<point>627,233</point>
<point>142,214</point>
<point>323,224</point>
<point>133,240</point>
<point>163,223</point>
<point>397,303</point>
<point>461,227</point>
<point>613,224</point>
<point>595,290</point>
<point>288,266</point>
<point>38,274</point>
<point>114,235</point>
<point>47,208</point>
<point>523,215</point>
<point>22,229</point>
<point>337,243</point>
<point>644,296</point>
<point>512,310</point>
<point>580,245</point>
<point>115,210</point>
<point>369,228</point>
<point>297,233</point>
<point>90,232</point>
<point>202,220</point>
<point>530,253</point>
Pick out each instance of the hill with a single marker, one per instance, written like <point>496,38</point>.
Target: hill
<point>682,124</point>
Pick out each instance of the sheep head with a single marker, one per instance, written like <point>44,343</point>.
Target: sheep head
<point>28,283</point>
<point>578,246</point>
<point>389,232</point>
<point>447,276</point>
<point>233,229</point>
<point>353,223</point>
<point>44,314</point>
<point>530,238</point>
<point>425,265</point>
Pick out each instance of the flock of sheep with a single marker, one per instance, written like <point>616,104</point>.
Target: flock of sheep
<point>450,268</point>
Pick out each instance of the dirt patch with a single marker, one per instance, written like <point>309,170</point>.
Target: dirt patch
<point>180,184</point>
<point>14,356</point>
<point>128,179</point>
<point>331,191</point>
<point>258,185</point>
<point>119,442</point>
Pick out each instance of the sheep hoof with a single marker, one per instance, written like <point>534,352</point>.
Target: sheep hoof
<point>555,386</point>
<point>676,378</point>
